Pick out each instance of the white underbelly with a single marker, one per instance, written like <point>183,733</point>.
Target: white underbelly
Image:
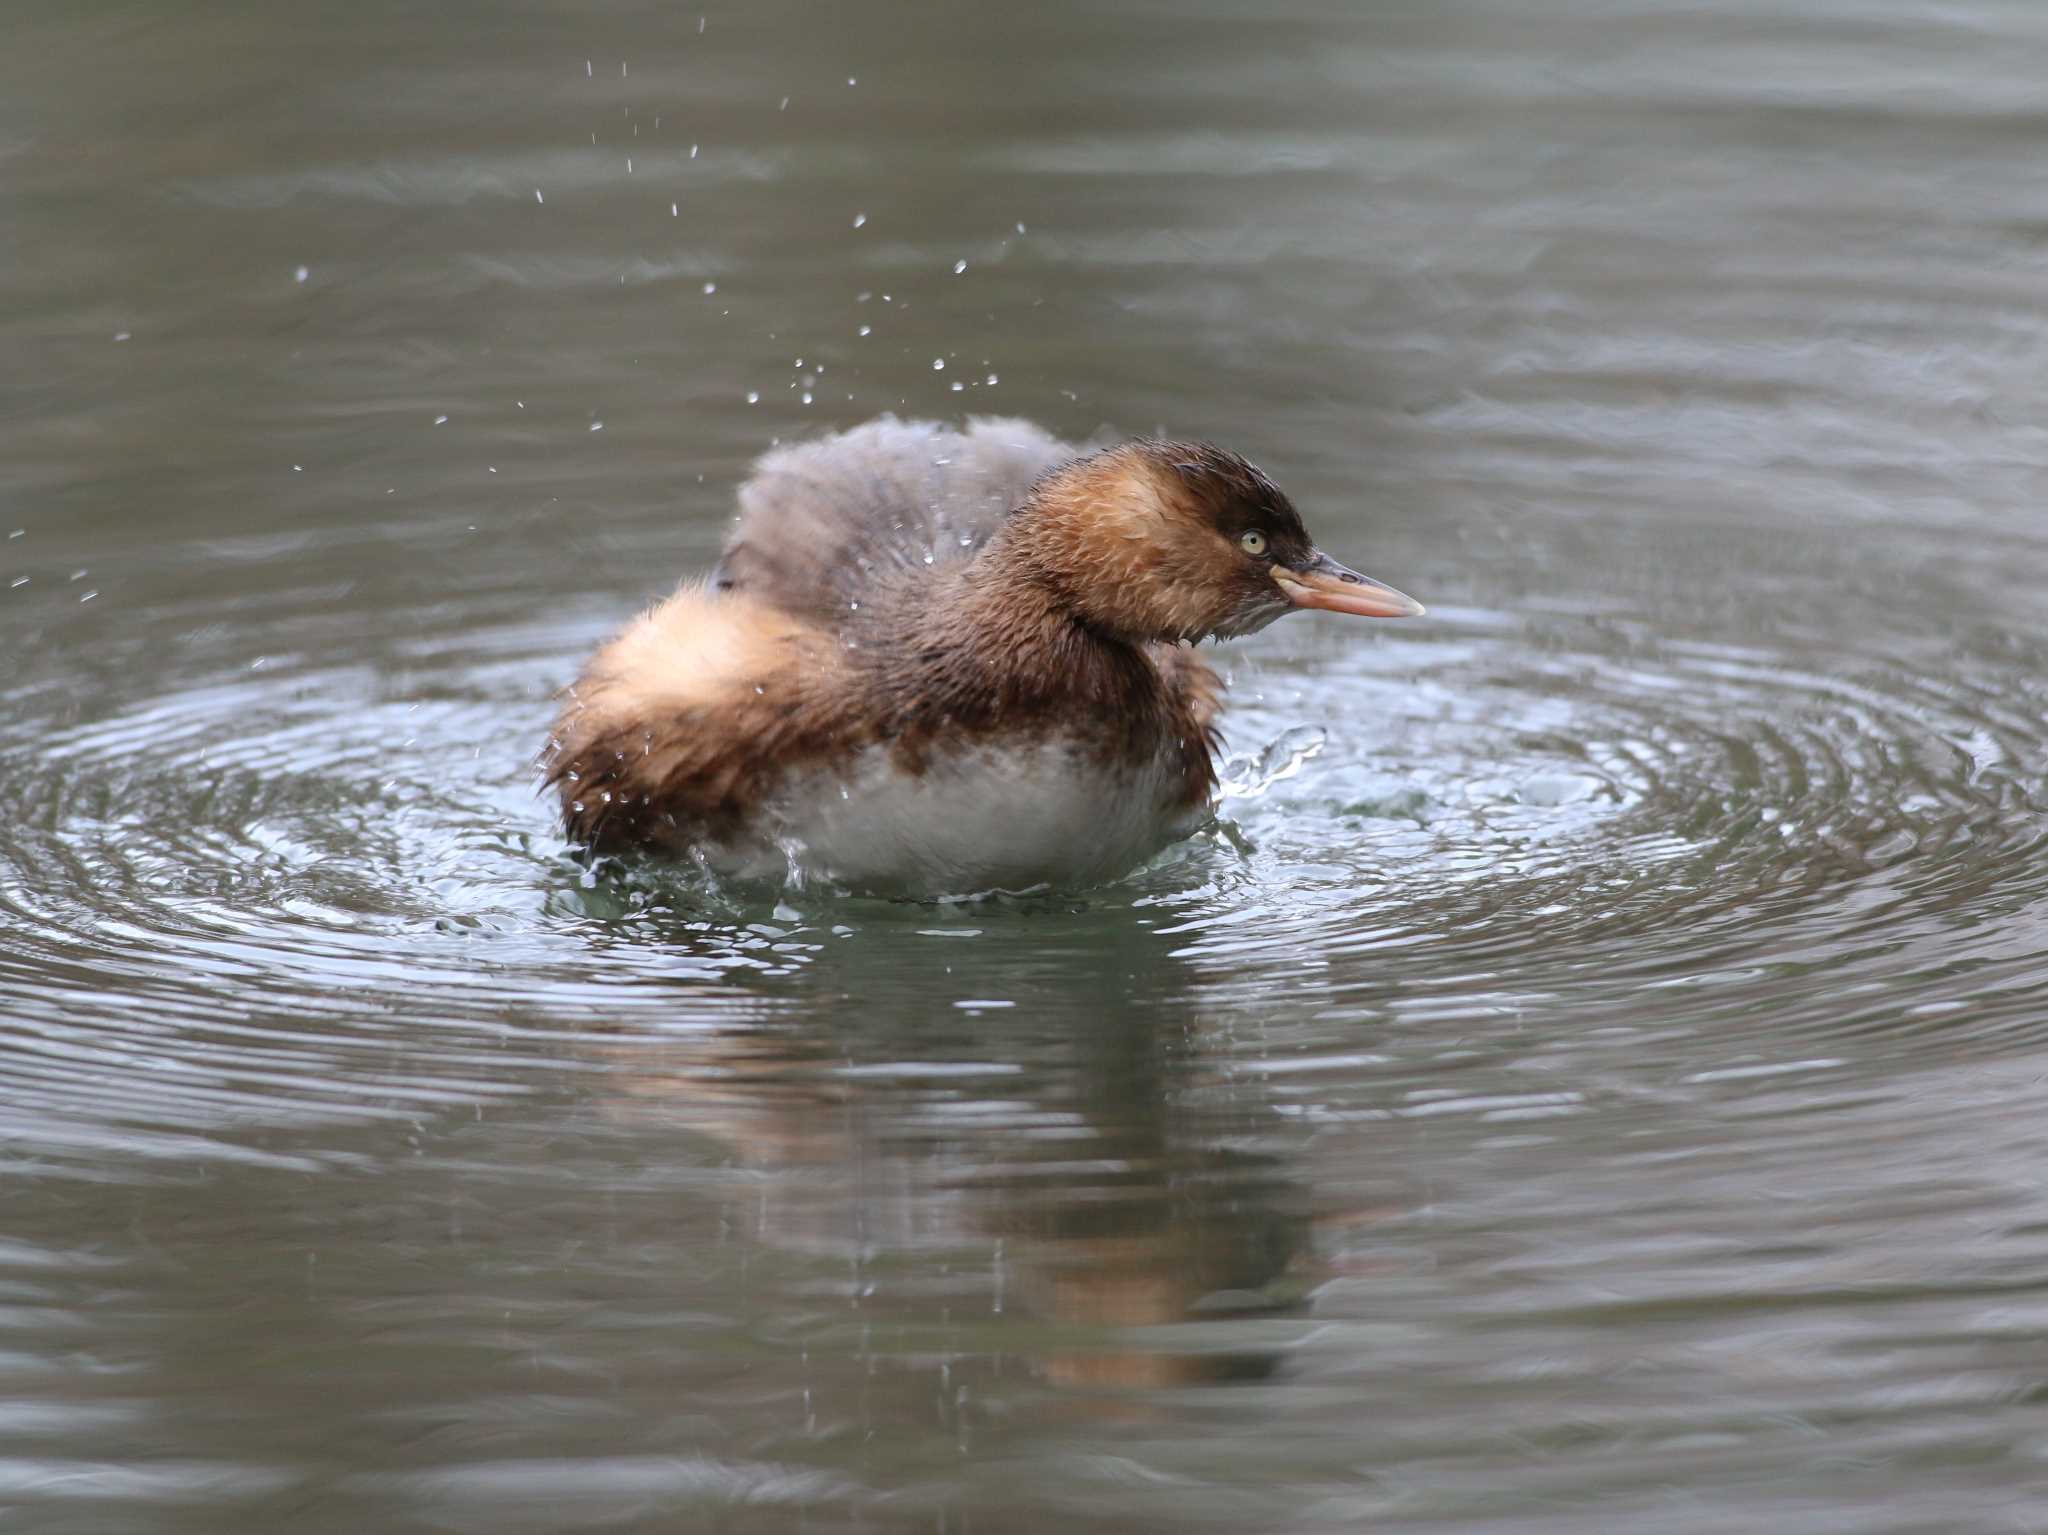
<point>989,819</point>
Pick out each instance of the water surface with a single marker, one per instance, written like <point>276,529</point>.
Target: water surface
<point>1596,1076</point>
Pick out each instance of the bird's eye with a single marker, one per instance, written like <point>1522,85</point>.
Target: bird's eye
<point>1252,541</point>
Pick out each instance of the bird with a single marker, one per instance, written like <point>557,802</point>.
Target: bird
<point>938,660</point>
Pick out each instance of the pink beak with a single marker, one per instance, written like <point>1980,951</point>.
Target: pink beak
<point>1323,583</point>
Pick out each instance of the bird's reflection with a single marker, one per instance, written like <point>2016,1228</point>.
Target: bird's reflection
<point>1067,1111</point>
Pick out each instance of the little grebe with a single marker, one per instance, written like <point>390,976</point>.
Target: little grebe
<point>938,662</point>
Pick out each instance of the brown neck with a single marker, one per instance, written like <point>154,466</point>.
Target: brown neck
<point>1101,543</point>
<point>1006,649</point>
<point>1000,642</point>
<point>1021,608</point>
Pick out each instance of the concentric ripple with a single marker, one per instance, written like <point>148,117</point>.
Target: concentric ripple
<point>1687,826</point>
<point>1809,842</point>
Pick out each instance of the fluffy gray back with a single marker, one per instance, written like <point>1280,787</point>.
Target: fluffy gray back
<point>820,521</point>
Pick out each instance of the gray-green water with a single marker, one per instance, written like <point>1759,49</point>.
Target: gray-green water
<point>1606,1087</point>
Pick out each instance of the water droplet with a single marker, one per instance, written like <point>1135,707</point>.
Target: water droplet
<point>850,80</point>
<point>597,426</point>
<point>958,386</point>
<point>1020,226</point>
<point>440,420</point>
<point>711,287</point>
<point>991,380</point>
<point>87,597</point>
<point>674,211</point>
<point>866,330</point>
<point>693,151</point>
<point>629,165</point>
<point>122,335</point>
<point>586,69</point>
<point>807,397</point>
<point>938,365</point>
<point>300,274</point>
<point>859,219</point>
<point>576,805</point>
<point>537,197</point>
<point>785,105</point>
<point>959,267</point>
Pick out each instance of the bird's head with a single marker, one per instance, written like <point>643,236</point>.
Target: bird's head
<point>1155,540</point>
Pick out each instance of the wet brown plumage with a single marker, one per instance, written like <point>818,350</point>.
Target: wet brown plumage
<point>919,597</point>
